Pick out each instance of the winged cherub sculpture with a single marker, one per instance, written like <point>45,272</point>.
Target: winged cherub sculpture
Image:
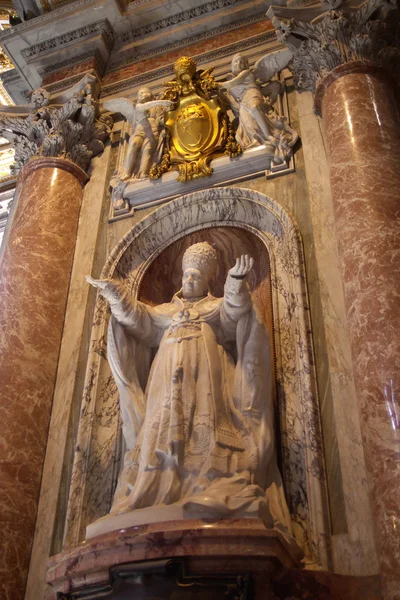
<point>251,95</point>
<point>148,134</point>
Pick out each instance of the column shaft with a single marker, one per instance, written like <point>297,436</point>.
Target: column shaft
<point>34,279</point>
<point>362,132</point>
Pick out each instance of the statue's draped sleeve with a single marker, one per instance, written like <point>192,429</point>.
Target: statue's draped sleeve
<point>133,330</point>
<point>253,397</point>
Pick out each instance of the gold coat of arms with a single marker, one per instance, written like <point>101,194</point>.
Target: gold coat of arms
<point>198,127</point>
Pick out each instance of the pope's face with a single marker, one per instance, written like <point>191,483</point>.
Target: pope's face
<point>194,283</point>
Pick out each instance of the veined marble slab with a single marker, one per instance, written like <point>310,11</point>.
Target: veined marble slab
<point>152,514</point>
<point>146,192</point>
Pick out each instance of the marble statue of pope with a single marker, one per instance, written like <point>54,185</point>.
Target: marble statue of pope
<point>198,425</point>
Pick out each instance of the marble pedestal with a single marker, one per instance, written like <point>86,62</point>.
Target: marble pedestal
<point>204,559</point>
<point>195,548</point>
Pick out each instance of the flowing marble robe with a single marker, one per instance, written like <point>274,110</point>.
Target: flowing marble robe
<point>205,425</point>
<point>246,98</point>
<point>258,124</point>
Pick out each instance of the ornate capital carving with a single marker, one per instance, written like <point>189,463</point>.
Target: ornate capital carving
<point>68,125</point>
<point>327,34</point>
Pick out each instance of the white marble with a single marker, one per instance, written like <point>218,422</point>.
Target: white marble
<point>95,468</point>
<point>199,433</point>
<point>145,192</point>
<point>147,140</point>
<point>252,102</point>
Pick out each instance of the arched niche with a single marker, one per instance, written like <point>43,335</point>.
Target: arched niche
<point>147,260</point>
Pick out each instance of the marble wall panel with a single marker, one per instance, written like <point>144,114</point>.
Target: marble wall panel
<point>361,122</point>
<point>354,552</point>
<point>301,440</point>
<point>306,195</point>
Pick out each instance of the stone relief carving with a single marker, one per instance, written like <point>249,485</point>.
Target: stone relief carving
<point>252,95</point>
<point>198,429</point>
<point>324,35</point>
<point>67,126</point>
<point>207,120</point>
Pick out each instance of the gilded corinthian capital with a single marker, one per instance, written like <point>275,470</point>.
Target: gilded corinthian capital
<point>324,35</point>
<point>67,125</point>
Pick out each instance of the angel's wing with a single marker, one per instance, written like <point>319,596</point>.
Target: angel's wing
<point>270,64</point>
<point>272,90</point>
<point>123,106</point>
<point>142,107</point>
<point>153,103</point>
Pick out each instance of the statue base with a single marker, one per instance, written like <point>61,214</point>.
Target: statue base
<point>156,514</point>
<point>203,559</point>
<point>188,548</point>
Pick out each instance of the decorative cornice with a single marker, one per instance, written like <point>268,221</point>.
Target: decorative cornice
<point>71,131</point>
<point>134,3</point>
<point>57,86</point>
<point>200,59</point>
<point>182,17</point>
<point>10,76</point>
<point>102,27</point>
<point>72,7</point>
<point>132,57</point>
<point>336,37</point>
<point>75,60</point>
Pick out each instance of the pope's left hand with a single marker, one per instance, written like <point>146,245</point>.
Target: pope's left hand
<point>242,267</point>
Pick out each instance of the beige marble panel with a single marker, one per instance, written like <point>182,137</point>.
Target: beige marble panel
<point>306,195</point>
<point>354,553</point>
<point>69,383</point>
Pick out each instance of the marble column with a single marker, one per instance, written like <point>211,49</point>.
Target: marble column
<point>345,56</point>
<point>55,138</point>
<point>34,279</point>
<point>362,132</point>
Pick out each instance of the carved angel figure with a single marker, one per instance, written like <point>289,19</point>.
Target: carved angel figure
<point>148,133</point>
<point>252,102</point>
<point>198,428</point>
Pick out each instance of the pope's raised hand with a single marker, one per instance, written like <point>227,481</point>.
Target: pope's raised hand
<point>242,267</point>
<point>111,290</point>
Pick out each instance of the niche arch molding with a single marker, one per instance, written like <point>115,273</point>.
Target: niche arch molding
<point>97,452</point>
